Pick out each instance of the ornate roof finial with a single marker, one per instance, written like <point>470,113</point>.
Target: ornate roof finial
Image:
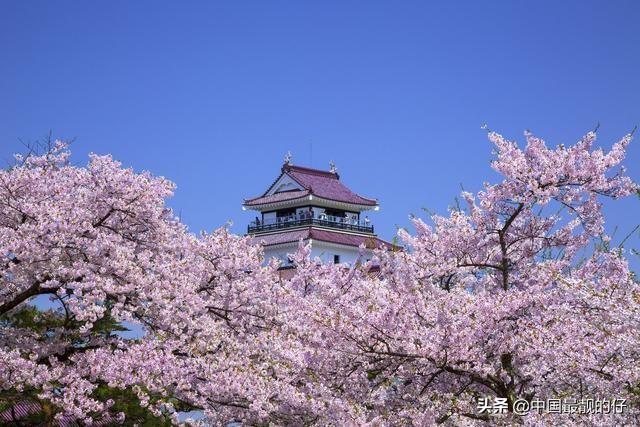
<point>287,158</point>
<point>332,167</point>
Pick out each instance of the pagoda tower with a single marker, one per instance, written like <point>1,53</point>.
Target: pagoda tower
<point>315,206</point>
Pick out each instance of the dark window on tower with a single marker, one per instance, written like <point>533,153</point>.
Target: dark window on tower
<point>336,259</point>
<point>286,212</point>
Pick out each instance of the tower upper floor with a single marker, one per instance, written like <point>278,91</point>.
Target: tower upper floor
<point>302,196</point>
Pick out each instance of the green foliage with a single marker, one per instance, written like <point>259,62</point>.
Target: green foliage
<point>30,317</point>
<point>43,321</point>
<point>106,325</point>
<point>10,397</point>
<point>127,401</point>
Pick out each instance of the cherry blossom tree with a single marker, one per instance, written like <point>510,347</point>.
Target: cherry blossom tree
<point>518,296</point>
<point>100,242</point>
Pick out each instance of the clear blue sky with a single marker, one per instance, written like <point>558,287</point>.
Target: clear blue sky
<point>212,95</point>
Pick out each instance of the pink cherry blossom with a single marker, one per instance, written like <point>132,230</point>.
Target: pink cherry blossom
<point>506,298</point>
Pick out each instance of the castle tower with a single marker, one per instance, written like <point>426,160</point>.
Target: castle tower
<point>315,206</point>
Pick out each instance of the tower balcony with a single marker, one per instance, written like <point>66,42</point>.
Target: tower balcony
<point>341,223</point>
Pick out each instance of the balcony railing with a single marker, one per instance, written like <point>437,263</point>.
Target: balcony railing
<point>300,220</point>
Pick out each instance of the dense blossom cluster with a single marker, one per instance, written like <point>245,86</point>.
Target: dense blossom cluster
<point>497,299</point>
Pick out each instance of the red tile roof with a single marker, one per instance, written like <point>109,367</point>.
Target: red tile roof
<point>15,414</point>
<point>370,242</point>
<point>320,183</point>
<point>287,272</point>
<point>286,237</point>
<point>277,197</point>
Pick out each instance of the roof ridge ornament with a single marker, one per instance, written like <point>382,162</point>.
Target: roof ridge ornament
<point>332,167</point>
<point>287,158</point>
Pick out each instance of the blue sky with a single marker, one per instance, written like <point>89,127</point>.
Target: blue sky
<point>212,94</point>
